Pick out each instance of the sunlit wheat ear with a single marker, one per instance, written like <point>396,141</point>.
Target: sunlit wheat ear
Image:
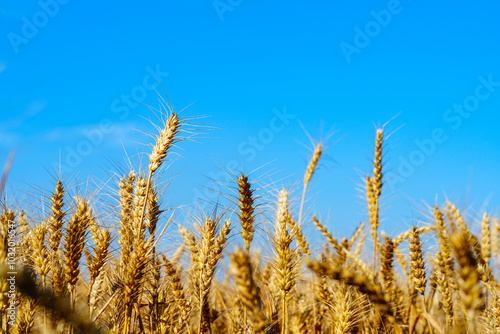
<point>55,226</point>
<point>133,279</point>
<point>377,163</point>
<point>444,288</point>
<point>40,252</point>
<point>153,270</point>
<point>285,263</point>
<point>373,211</point>
<point>246,208</point>
<point>469,279</point>
<point>445,248</point>
<point>485,238</point>
<point>140,199</point>
<point>126,193</point>
<point>363,283</point>
<point>494,312</point>
<point>7,216</point>
<point>311,167</point>
<point>195,263</point>
<point>373,192</point>
<point>165,140</point>
<point>345,309</point>
<point>153,212</point>
<point>357,233</point>
<point>495,234</point>
<point>299,323</point>
<point>407,234</point>
<point>417,269</point>
<point>41,257</point>
<point>74,244</point>
<point>174,275</point>
<point>210,252</point>
<point>457,216</point>
<point>297,232</point>
<point>97,262</point>
<point>388,278</point>
<point>178,254</point>
<point>386,266</point>
<point>241,268</point>
<point>25,320</point>
<point>328,235</point>
<point>25,246</point>
<point>322,292</point>
<point>56,218</point>
<point>482,266</point>
<point>183,318</point>
<point>359,246</point>
<point>417,262</point>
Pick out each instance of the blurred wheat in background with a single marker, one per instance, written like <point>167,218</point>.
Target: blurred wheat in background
<point>76,269</point>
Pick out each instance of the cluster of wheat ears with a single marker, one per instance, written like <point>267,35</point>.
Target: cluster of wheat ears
<point>213,283</point>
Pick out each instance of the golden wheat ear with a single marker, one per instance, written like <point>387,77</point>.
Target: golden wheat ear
<point>444,288</point>
<point>241,268</point>
<point>285,269</point>
<point>126,194</point>
<point>55,227</point>
<point>363,283</point>
<point>311,167</point>
<point>166,139</point>
<point>246,207</point>
<point>74,245</point>
<point>97,264</point>
<point>471,294</point>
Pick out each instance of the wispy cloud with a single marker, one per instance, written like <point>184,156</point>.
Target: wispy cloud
<point>17,120</point>
<point>8,139</point>
<point>112,136</point>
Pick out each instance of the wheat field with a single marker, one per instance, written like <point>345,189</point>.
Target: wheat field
<point>69,270</point>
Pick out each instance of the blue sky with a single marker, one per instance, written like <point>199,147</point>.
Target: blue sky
<point>72,74</point>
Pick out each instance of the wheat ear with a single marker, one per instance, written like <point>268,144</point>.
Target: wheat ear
<point>41,258</point>
<point>285,266</point>
<point>246,207</point>
<point>126,193</point>
<point>74,244</point>
<point>374,191</point>
<point>311,167</point>
<point>495,234</point>
<point>417,270</point>
<point>133,279</point>
<point>444,288</point>
<point>55,226</point>
<point>328,235</point>
<point>242,270</point>
<point>364,284</point>
<point>485,238</point>
<point>96,263</point>
<point>164,142</point>
<point>470,290</point>
<point>301,239</point>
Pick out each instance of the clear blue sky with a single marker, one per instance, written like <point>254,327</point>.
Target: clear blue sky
<point>73,70</point>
